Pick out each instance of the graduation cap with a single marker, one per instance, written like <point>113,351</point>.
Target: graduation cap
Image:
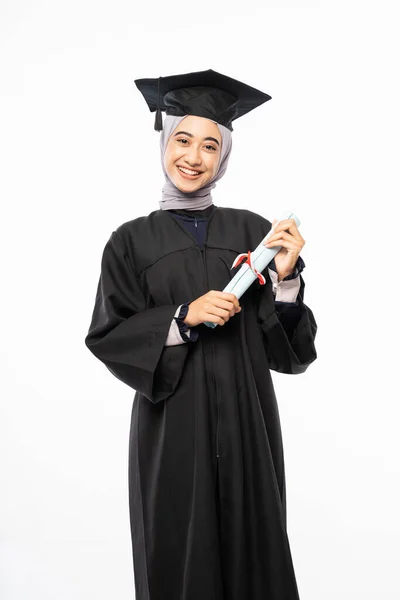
<point>202,93</point>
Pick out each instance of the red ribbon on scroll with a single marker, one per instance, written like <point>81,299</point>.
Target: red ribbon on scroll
<point>240,258</point>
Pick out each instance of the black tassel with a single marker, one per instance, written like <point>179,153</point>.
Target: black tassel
<point>158,124</point>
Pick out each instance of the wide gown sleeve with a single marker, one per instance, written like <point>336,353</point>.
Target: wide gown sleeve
<point>128,337</point>
<point>288,331</point>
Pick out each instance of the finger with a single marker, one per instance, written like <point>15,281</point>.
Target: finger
<point>219,312</point>
<point>233,307</point>
<point>286,224</point>
<point>283,235</point>
<point>229,297</point>
<point>278,229</point>
<point>290,226</point>
<point>218,303</point>
<point>288,244</point>
<point>212,319</point>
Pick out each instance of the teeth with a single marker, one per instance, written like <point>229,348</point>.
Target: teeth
<point>188,172</point>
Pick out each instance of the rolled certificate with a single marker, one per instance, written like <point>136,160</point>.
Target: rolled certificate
<point>256,262</point>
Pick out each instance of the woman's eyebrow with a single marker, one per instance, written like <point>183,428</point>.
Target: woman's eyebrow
<point>191,135</point>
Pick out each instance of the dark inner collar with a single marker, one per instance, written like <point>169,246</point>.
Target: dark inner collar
<point>206,212</point>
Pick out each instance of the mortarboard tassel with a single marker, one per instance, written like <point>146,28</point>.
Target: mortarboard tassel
<point>158,124</point>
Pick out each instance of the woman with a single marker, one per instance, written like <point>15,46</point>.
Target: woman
<point>206,467</point>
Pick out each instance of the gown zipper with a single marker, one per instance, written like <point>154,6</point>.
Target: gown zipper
<point>202,249</point>
<point>203,254</point>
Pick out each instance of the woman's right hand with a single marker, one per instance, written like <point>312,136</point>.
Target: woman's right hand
<point>214,306</point>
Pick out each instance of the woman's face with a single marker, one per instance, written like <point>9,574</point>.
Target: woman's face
<point>194,145</point>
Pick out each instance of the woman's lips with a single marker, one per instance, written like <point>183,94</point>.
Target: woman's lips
<point>186,175</point>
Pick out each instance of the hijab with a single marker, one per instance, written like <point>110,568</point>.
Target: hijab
<point>173,197</point>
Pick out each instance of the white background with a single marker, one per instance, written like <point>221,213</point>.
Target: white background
<point>79,156</point>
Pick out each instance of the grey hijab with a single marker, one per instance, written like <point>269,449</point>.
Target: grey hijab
<point>173,197</point>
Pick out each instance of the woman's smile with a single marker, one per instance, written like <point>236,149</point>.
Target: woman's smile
<point>188,173</point>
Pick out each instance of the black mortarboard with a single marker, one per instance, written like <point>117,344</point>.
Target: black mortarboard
<point>202,93</point>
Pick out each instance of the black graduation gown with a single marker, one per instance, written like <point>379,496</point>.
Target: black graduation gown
<point>206,466</point>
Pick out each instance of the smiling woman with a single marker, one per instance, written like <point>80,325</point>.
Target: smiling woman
<point>206,470</point>
<point>192,156</point>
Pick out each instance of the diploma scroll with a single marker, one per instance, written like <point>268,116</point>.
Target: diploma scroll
<point>258,259</point>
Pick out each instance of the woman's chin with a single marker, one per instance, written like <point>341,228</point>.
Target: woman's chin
<point>188,186</point>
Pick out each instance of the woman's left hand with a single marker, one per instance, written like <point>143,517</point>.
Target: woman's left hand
<point>292,244</point>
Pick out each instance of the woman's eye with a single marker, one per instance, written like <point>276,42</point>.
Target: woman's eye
<point>208,145</point>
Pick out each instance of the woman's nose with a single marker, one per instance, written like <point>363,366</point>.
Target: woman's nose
<point>193,156</point>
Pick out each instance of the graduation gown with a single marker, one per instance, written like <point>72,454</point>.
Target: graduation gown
<point>206,467</point>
